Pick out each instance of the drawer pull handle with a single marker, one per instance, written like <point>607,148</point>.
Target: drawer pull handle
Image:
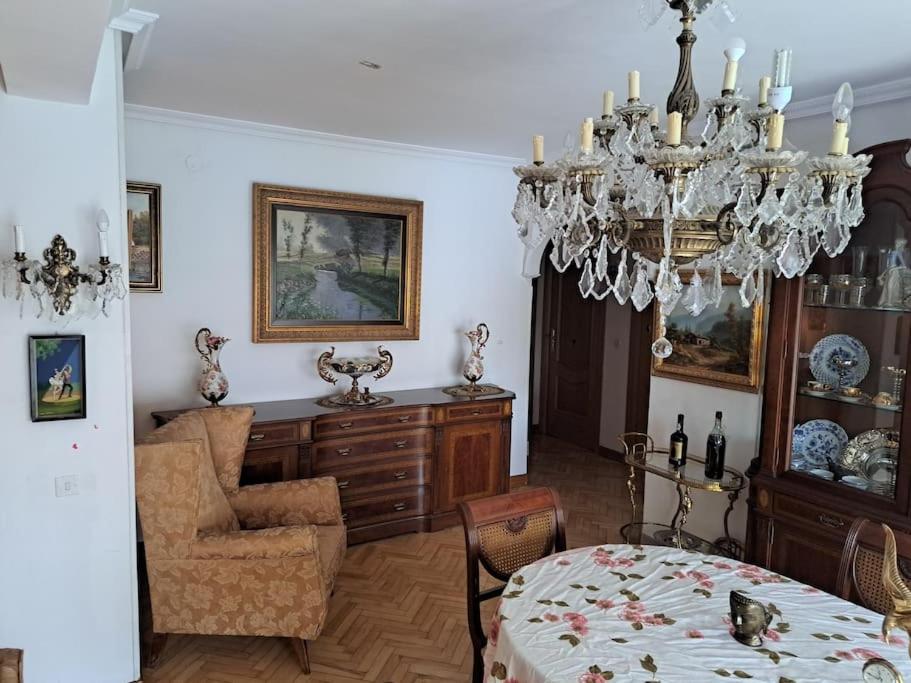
<point>343,451</point>
<point>345,425</point>
<point>344,484</point>
<point>400,444</point>
<point>828,520</point>
<point>399,475</point>
<point>476,411</point>
<point>399,507</point>
<point>405,418</point>
<point>257,437</point>
<point>344,516</point>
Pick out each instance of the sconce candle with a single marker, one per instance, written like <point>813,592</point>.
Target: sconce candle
<point>537,148</point>
<point>19,233</point>
<point>764,84</point>
<point>608,108</point>
<point>674,128</point>
<point>633,82</point>
<point>103,224</point>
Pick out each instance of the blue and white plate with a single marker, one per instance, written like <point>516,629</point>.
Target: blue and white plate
<point>817,440</point>
<point>839,360</point>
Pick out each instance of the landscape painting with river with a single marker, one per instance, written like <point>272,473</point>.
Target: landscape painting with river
<point>330,266</point>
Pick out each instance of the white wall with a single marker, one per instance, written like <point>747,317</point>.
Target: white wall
<point>742,411</point>
<point>67,573</point>
<point>471,260</point>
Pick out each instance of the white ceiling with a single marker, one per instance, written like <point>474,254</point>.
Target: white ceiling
<point>49,49</point>
<point>483,75</point>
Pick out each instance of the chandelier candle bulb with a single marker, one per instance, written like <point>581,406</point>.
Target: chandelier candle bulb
<point>844,146</point>
<point>734,52</point>
<point>776,132</point>
<point>103,223</point>
<point>674,128</point>
<point>653,117</point>
<point>633,80</point>
<point>764,84</point>
<point>537,145</point>
<point>588,128</point>
<point>839,134</point>
<point>608,103</point>
<point>19,234</point>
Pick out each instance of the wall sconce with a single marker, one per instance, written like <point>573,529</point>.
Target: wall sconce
<point>57,286</point>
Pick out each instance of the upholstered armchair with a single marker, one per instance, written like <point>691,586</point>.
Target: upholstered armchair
<point>10,665</point>
<point>228,560</point>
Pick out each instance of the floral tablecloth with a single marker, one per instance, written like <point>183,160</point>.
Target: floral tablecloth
<point>650,613</point>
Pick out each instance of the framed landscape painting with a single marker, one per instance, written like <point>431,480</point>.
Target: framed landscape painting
<point>57,377</point>
<point>331,266</point>
<point>144,235</point>
<point>721,347</point>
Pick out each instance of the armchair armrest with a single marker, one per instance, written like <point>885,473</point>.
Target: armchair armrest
<point>288,503</point>
<point>260,544</point>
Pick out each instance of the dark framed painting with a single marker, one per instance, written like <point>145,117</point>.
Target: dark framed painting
<point>144,235</point>
<point>333,266</point>
<point>721,347</point>
<point>57,377</point>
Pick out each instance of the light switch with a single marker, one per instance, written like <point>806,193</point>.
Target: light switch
<point>67,485</point>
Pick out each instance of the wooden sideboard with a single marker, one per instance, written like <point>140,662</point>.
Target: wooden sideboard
<point>400,468</point>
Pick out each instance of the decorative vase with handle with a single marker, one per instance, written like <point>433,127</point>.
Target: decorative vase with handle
<point>473,369</point>
<point>213,384</point>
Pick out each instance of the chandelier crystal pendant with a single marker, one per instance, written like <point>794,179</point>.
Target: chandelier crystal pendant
<point>730,200</point>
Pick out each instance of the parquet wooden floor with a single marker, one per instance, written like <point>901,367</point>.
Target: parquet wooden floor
<point>398,614</point>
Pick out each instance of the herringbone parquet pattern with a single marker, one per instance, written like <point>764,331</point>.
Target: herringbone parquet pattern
<point>398,613</point>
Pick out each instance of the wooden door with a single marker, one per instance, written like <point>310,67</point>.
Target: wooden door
<point>470,463</point>
<point>573,353</point>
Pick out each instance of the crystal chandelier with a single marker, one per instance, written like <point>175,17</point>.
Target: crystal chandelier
<point>730,200</point>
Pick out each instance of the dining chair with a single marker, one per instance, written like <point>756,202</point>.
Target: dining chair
<point>861,569</point>
<point>504,533</point>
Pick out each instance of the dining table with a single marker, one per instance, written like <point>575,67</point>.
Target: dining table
<point>657,613</point>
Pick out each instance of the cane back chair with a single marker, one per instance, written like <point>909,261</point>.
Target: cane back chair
<point>504,533</point>
<point>861,570</point>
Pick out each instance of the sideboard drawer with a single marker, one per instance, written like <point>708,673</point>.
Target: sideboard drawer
<point>811,513</point>
<point>473,411</point>
<point>333,454</point>
<point>371,420</point>
<point>387,476</point>
<point>400,505</point>
<point>273,433</point>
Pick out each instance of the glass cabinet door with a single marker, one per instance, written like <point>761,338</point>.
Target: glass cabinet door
<point>853,339</point>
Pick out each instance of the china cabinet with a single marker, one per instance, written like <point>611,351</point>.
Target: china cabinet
<point>834,443</point>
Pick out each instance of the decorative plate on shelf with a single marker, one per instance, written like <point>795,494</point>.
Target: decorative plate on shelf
<point>873,455</point>
<point>818,440</point>
<point>839,360</point>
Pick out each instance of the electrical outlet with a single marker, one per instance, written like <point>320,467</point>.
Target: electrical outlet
<point>67,485</point>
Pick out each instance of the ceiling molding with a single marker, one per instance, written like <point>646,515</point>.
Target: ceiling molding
<point>888,91</point>
<point>264,130</point>
<point>133,21</point>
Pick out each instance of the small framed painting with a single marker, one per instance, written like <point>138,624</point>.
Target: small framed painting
<point>57,377</point>
<point>144,235</point>
<point>333,266</point>
<point>721,347</point>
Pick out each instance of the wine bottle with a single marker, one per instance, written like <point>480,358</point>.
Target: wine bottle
<point>714,451</point>
<point>679,440</point>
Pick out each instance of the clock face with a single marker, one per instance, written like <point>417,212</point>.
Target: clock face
<point>881,671</point>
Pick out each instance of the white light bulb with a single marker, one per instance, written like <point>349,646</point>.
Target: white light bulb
<point>102,221</point>
<point>736,49</point>
<point>781,68</point>
<point>843,104</point>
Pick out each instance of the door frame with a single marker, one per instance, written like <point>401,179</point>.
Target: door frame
<point>639,373</point>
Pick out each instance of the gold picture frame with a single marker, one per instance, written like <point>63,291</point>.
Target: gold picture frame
<point>335,266</point>
<point>144,236</point>
<point>702,358</point>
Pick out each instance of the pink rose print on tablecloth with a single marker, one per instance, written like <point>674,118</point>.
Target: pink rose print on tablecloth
<point>756,576</point>
<point>592,678</point>
<point>604,604</point>
<point>577,622</point>
<point>636,613</point>
<point>694,633</point>
<point>604,558</point>
<point>721,565</point>
<point>494,631</point>
<point>551,617</point>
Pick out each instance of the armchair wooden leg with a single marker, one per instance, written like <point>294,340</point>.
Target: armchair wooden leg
<point>477,669</point>
<point>302,650</point>
<point>157,641</point>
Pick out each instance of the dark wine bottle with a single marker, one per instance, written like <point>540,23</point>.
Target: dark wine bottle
<point>714,451</point>
<point>679,440</point>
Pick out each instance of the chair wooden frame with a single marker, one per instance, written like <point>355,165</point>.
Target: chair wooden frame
<point>478,513</point>
<point>865,534</point>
